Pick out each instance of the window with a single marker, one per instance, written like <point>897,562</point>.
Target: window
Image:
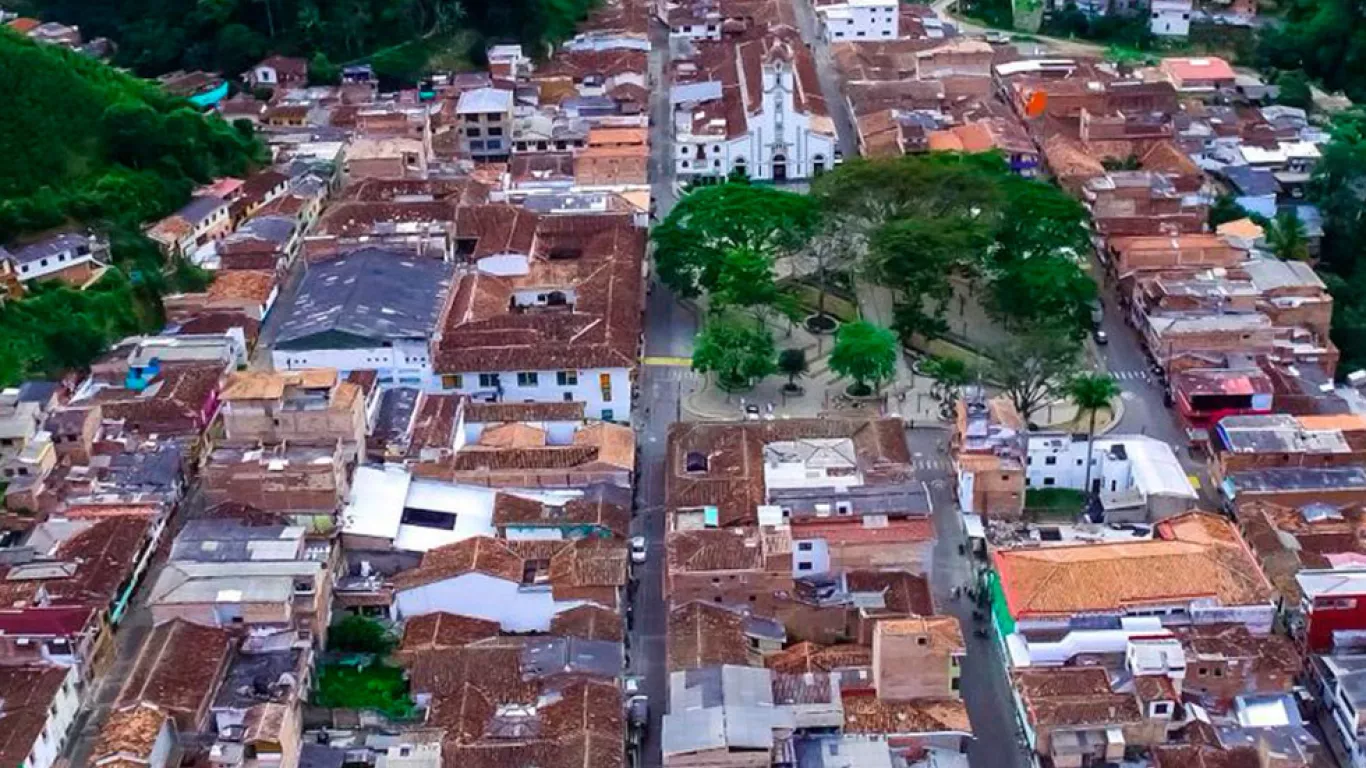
<point>1048,481</point>
<point>605,384</point>
<point>479,145</point>
<point>527,379</point>
<point>803,566</point>
<point>955,683</point>
<point>569,397</point>
<point>405,751</point>
<point>685,163</point>
<point>495,131</point>
<point>696,461</point>
<point>473,131</point>
<point>607,414</point>
<point>922,640</point>
<point>1050,460</point>
<point>1079,462</point>
<point>567,378</point>
<point>453,381</point>
<point>804,546</point>
<point>488,380</point>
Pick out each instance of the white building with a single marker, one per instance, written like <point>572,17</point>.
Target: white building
<point>370,309</point>
<point>1340,682</point>
<point>859,20</point>
<point>774,128</point>
<point>1170,18</point>
<point>490,579</point>
<point>1137,478</point>
<point>67,254</point>
<point>38,704</point>
<point>388,508</point>
<point>550,313</point>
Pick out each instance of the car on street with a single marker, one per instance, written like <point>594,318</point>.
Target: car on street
<point>752,412</point>
<point>637,549</point>
<point>1102,338</point>
<point>631,685</point>
<point>997,38</point>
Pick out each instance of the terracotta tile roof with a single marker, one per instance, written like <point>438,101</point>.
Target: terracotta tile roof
<point>176,405</point>
<point>869,714</point>
<point>601,507</point>
<point>242,284</point>
<point>479,554</point>
<point>810,657</point>
<point>507,412</point>
<point>268,385</point>
<point>1197,556</point>
<point>1073,696</point>
<point>1068,158</point>
<point>512,436</point>
<point>24,25</point>
<point>734,480</point>
<point>437,631</point>
<point>596,257</point>
<point>587,567</point>
<point>103,556</point>
<point>589,622</point>
<point>26,694</point>
<point>434,424</point>
<point>130,731</point>
<point>944,632</point>
<point>1205,756</point>
<point>178,670</point>
<point>616,443</point>
<point>903,593</point>
<point>702,634</point>
<point>495,716</point>
<point>715,549</point>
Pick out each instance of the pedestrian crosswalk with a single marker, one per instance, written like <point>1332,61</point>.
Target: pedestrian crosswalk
<point>1139,375</point>
<point>933,465</point>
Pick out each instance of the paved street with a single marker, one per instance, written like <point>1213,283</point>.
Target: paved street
<point>669,330</point>
<point>830,83</point>
<point>985,688</point>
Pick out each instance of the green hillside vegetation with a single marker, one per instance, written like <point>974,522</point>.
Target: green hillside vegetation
<point>89,145</point>
<point>88,142</point>
<point>228,36</point>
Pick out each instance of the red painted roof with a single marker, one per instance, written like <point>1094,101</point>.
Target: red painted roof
<point>49,622</point>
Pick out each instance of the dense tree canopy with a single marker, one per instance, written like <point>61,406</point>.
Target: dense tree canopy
<point>692,243</point>
<point>865,353</point>
<point>103,149</point>
<point>156,36</point>
<point>930,218</point>
<point>738,354</point>
<point>1324,38</point>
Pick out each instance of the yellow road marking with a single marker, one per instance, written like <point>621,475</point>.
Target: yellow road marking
<point>686,362</point>
<point>1195,481</point>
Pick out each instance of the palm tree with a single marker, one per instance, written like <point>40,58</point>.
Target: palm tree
<point>1286,237</point>
<point>1090,392</point>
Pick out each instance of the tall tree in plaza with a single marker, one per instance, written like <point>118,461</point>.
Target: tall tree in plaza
<point>693,240</point>
<point>738,354</point>
<point>865,353</point>
<point>916,257</point>
<point>1090,392</point>
<point>1050,291</point>
<point>1034,369</point>
<point>744,281</point>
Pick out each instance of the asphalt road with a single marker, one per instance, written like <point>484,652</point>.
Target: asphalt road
<point>997,741</point>
<point>669,331</point>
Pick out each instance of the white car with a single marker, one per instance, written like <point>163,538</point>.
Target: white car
<point>638,549</point>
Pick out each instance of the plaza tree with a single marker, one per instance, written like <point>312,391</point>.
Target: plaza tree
<point>865,353</point>
<point>737,354</point>
<point>692,242</point>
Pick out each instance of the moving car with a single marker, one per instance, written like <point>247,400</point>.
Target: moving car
<point>637,549</point>
<point>1102,338</point>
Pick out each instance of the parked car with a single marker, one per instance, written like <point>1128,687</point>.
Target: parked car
<point>637,549</point>
<point>1102,338</point>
